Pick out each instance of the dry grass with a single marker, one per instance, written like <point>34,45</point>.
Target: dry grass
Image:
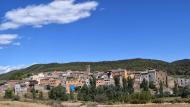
<point>20,104</point>
<point>26,104</point>
<point>148,105</point>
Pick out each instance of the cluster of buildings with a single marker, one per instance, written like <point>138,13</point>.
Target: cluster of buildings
<point>71,79</point>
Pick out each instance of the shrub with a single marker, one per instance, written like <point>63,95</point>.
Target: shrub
<point>136,101</point>
<point>101,98</point>
<point>9,94</point>
<point>16,98</point>
<point>172,101</point>
<point>58,93</point>
<point>158,101</point>
<point>91,104</point>
<point>187,101</point>
<point>178,100</point>
<point>141,97</point>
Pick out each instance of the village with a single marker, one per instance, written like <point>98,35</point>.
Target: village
<point>43,82</point>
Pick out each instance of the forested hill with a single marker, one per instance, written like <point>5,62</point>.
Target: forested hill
<point>181,67</point>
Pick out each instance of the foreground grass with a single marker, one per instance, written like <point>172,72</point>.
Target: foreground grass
<point>147,105</point>
<point>20,104</point>
<point>67,104</point>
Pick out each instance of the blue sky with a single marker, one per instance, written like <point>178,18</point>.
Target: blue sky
<point>98,30</point>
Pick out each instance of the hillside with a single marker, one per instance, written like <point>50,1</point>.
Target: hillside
<point>182,66</point>
<point>177,67</point>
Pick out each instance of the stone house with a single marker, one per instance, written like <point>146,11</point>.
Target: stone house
<point>50,81</point>
<point>20,89</point>
<point>182,82</point>
<point>119,72</point>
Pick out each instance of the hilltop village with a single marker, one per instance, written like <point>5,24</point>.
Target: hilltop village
<point>71,80</point>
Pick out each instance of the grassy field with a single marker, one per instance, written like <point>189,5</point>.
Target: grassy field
<point>20,104</point>
<point>26,104</point>
<point>148,105</point>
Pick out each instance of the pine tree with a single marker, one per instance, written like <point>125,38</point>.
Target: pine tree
<point>176,89</point>
<point>144,85</point>
<point>130,84</point>
<point>161,90</point>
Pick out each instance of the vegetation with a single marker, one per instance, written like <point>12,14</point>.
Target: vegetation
<point>176,89</point>
<point>161,90</point>
<point>181,67</point>
<point>58,93</point>
<point>119,93</point>
<point>9,94</point>
<point>144,85</point>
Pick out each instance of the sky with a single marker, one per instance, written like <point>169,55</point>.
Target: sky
<point>49,31</point>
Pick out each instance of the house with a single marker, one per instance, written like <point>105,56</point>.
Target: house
<point>32,83</point>
<point>12,83</point>
<point>20,89</point>
<point>119,72</point>
<point>161,76</point>
<point>182,82</point>
<point>54,82</point>
<point>73,83</point>
<point>171,82</point>
<point>105,79</point>
<point>37,77</point>
<point>144,75</point>
<point>154,76</point>
<point>50,81</point>
<point>100,82</point>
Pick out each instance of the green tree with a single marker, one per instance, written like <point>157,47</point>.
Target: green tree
<point>161,90</point>
<point>41,96</point>
<point>176,89</point>
<point>144,85</point>
<point>152,85</point>
<point>117,81</point>
<point>125,85</point>
<point>58,93</point>
<point>8,94</point>
<point>83,93</point>
<point>110,92</point>
<point>130,83</point>
<point>92,88</point>
<point>185,92</point>
<point>33,91</point>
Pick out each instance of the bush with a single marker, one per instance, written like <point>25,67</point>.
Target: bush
<point>141,97</point>
<point>172,101</point>
<point>187,101</point>
<point>58,93</point>
<point>91,104</point>
<point>101,98</point>
<point>9,94</point>
<point>16,98</point>
<point>178,100</point>
<point>136,101</point>
<point>157,101</point>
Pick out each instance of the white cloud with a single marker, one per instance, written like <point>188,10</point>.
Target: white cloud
<point>58,11</point>
<point>7,39</point>
<point>5,69</point>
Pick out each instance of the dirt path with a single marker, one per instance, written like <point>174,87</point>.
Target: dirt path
<point>20,104</point>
